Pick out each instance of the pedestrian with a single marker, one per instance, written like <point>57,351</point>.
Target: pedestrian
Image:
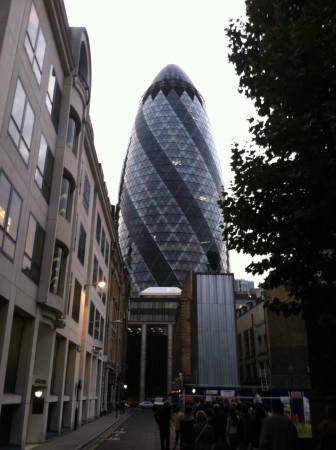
<point>202,406</point>
<point>203,435</point>
<point>163,418</point>
<point>327,430</point>
<point>278,432</point>
<point>233,429</point>
<point>257,419</point>
<point>256,397</point>
<point>187,424</point>
<point>177,418</point>
<point>244,426</point>
<point>218,422</point>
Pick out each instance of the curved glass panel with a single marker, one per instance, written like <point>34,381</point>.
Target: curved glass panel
<point>168,217</point>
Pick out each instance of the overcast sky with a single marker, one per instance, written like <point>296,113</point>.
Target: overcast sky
<point>131,41</point>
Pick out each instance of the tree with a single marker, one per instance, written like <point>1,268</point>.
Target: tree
<point>280,207</point>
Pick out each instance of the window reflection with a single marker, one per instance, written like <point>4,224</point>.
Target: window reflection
<point>56,270</point>
<point>64,203</point>
<point>32,259</point>
<point>10,210</point>
<point>35,43</point>
<point>44,169</point>
<point>54,98</point>
<point>21,122</point>
<point>71,134</point>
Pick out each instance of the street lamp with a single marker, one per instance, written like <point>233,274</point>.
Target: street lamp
<point>98,284</point>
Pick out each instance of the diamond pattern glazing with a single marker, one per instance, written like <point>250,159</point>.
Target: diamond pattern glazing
<point>168,217</point>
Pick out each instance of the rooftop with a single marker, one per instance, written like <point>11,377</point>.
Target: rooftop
<point>161,292</point>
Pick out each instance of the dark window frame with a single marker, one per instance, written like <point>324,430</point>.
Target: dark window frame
<point>81,244</point>
<point>33,252</point>
<point>9,222</point>
<point>21,122</point>
<point>44,169</point>
<point>35,43</point>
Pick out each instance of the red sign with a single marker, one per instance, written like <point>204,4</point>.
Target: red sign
<point>296,394</point>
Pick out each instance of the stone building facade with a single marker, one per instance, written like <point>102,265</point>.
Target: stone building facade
<point>57,233</point>
<point>272,350</point>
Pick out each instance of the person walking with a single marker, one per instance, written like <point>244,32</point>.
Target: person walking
<point>257,419</point>
<point>245,427</point>
<point>256,397</point>
<point>203,435</point>
<point>233,429</point>
<point>327,430</point>
<point>218,421</point>
<point>177,418</point>
<point>187,424</point>
<point>278,432</point>
<point>163,418</point>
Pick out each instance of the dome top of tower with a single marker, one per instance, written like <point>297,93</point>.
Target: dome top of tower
<point>172,77</point>
<point>172,72</point>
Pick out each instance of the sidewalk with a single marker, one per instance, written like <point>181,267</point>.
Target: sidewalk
<point>74,440</point>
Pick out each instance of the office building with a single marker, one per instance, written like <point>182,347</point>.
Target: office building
<point>169,219</point>
<point>57,235</point>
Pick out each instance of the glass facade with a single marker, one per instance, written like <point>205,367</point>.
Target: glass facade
<point>168,217</point>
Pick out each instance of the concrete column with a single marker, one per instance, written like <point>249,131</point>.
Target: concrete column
<point>143,361</point>
<point>169,357</point>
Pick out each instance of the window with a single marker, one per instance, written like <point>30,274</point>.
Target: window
<point>98,228</point>
<point>102,243</point>
<point>32,259</point>
<point>81,244</point>
<point>76,303</point>
<point>54,98</point>
<point>21,122</point>
<point>35,44</point>
<point>95,270</point>
<point>44,169</point>
<point>101,240</point>
<point>10,210</point>
<point>57,271</point>
<point>72,134</point>
<point>14,354</point>
<point>101,335</point>
<point>247,343</point>
<point>97,325</point>
<point>64,203</point>
<point>107,253</point>
<point>91,319</point>
<point>86,194</point>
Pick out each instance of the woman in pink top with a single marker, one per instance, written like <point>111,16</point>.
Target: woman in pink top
<point>177,418</point>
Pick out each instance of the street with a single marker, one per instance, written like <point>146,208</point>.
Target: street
<point>139,432</point>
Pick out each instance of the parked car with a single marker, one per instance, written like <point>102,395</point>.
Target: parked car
<point>158,403</point>
<point>145,405</point>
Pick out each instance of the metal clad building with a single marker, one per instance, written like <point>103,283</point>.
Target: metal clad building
<point>216,325</point>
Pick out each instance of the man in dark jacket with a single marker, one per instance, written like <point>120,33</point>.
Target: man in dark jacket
<point>187,424</point>
<point>163,418</point>
<point>278,432</point>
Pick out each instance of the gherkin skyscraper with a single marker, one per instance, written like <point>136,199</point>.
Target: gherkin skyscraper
<point>168,217</point>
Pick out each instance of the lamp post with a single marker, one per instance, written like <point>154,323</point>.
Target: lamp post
<point>117,322</point>
<point>98,284</point>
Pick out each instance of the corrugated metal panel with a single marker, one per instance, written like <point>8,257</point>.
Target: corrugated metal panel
<point>216,322</point>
